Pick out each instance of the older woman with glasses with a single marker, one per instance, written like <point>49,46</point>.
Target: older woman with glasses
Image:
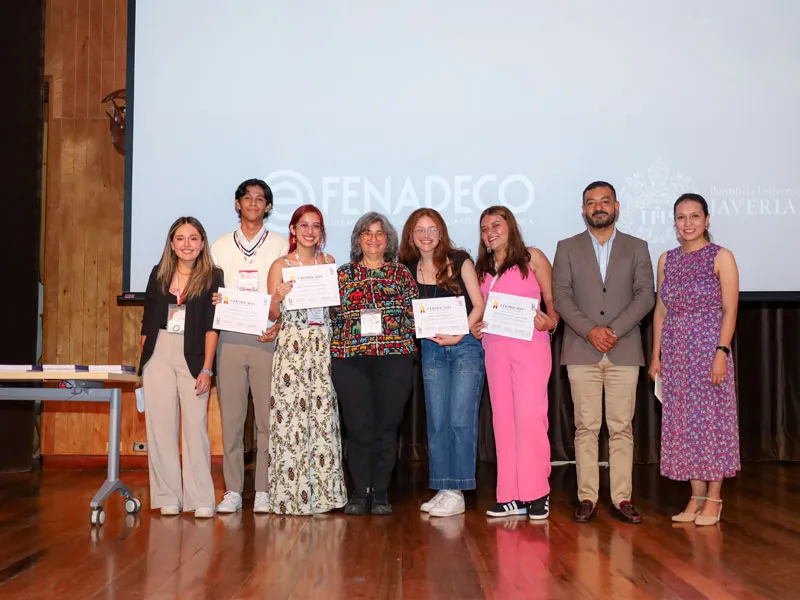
<point>372,346</point>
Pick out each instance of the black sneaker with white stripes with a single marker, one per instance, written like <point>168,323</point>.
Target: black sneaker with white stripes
<point>538,510</point>
<point>507,509</point>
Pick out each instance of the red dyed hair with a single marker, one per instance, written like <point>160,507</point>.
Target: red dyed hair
<point>299,214</point>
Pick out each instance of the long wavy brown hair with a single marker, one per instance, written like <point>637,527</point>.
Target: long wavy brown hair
<point>200,279</point>
<point>443,254</point>
<point>517,254</point>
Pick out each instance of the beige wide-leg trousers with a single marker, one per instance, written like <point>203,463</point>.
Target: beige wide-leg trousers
<point>174,409</point>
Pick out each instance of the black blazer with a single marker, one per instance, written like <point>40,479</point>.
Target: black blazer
<point>199,320</point>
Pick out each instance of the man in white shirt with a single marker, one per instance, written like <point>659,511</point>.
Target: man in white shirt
<point>245,361</point>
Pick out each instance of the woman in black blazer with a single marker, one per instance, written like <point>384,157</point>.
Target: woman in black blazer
<point>178,347</point>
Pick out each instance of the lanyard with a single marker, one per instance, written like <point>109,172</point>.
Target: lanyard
<point>496,277</point>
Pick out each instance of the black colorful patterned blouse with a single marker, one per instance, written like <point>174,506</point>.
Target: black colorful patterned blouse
<point>391,289</point>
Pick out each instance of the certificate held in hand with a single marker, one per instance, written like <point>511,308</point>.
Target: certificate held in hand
<point>244,312</point>
<point>445,316</point>
<point>510,316</point>
<point>314,286</point>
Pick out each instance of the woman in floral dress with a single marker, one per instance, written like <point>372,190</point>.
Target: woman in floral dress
<point>304,464</point>
<point>695,317</point>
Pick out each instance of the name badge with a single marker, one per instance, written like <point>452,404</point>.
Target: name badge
<point>371,322</point>
<point>176,318</point>
<point>316,316</point>
<point>248,281</point>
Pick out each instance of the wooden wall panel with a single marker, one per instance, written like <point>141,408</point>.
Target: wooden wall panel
<point>85,59</point>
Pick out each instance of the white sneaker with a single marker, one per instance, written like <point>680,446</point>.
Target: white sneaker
<point>204,513</point>
<point>170,511</point>
<point>231,502</point>
<point>451,504</point>
<point>427,506</point>
<point>261,505</point>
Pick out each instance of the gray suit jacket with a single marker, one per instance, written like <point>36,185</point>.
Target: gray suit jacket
<point>584,301</point>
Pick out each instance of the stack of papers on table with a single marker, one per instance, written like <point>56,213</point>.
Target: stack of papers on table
<point>122,369</point>
<point>67,368</point>
<point>19,368</point>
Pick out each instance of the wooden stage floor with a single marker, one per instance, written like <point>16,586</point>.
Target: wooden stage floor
<point>48,550</point>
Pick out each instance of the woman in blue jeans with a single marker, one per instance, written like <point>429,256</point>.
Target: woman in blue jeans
<point>452,365</point>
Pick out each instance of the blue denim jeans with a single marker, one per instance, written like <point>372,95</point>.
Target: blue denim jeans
<point>453,378</point>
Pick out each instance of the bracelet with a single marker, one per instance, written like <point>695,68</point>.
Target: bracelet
<point>725,349</point>
<point>208,372</point>
<point>553,330</point>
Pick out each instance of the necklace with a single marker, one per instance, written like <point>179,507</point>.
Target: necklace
<point>421,272</point>
<point>297,258</point>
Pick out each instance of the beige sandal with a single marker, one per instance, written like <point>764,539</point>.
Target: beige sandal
<point>688,517</point>
<point>700,520</point>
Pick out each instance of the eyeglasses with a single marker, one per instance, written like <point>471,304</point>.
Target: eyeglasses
<point>378,235</point>
<point>431,231</point>
<point>304,227</point>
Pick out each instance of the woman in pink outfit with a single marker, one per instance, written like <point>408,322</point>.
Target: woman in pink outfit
<point>517,370</point>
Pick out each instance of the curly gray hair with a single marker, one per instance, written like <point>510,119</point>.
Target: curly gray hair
<point>392,244</point>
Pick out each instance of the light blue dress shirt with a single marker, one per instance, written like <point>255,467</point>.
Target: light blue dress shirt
<point>603,252</point>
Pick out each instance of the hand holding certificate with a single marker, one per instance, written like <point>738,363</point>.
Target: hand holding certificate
<point>314,286</point>
<point>244,312</point>
<point>440,316</point>
<point>510,316</point>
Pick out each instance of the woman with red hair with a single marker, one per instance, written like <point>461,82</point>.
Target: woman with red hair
<point>305,453</point>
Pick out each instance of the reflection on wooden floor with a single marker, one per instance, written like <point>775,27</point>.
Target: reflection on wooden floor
<point>48,550</point>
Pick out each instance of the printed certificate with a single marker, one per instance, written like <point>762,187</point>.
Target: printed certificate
<point>510,316</point>
<point>446,316</point>
<point>315,286</point>
<point>245,312</point>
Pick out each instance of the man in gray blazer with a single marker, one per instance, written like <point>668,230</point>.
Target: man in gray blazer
<point>602,288</point>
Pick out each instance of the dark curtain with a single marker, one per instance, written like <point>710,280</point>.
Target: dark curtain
<point>767,356</point>
<point>22,109</point>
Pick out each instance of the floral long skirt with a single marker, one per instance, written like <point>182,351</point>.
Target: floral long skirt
<point>304,466</point>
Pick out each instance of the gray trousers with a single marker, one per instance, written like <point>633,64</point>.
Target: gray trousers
<point>243,364</point>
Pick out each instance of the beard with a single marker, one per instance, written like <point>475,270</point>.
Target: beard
<point>601,219</point>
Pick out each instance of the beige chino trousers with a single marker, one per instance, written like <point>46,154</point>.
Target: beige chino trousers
<point>587,383</point>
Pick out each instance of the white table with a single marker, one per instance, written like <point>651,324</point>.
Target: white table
<point>83,387</point>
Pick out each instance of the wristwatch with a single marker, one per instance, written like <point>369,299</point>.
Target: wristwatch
<point>208,372</point>
<point>725,349</point>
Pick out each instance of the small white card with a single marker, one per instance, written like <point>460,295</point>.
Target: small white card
<point>510,316</point>
<point>371,322</point>
<point>659,390</point>
<point>315,286</point>
<point>248,281</point>
<point>176,318</point>
<point>316,316</point>
<point>244,312</point>
<point>446,316</point>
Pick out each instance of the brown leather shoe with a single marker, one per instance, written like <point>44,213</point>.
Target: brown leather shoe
<point>585,511</point>
<point>626,513</point>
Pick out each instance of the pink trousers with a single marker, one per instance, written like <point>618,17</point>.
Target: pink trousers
<point>518,373</point>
